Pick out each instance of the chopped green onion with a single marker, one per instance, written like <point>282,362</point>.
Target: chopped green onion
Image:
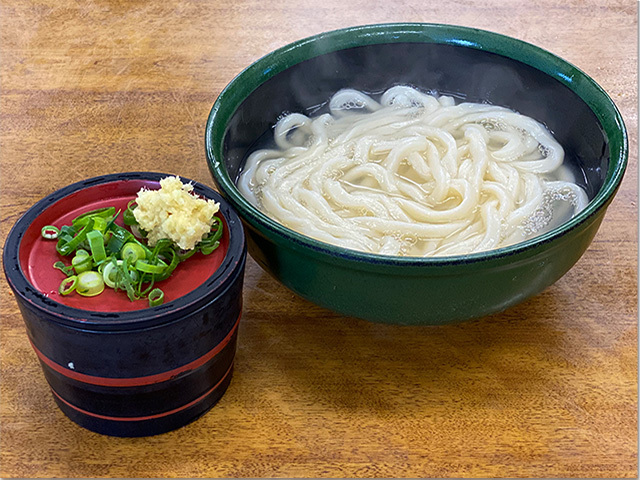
<point>101,266</point>
<point>113,274</point>
<point>128,281</point>
<point>119,236</point>
<point>66,246</point>
<point>175,260</point>
<point>90,283</point>
<point>66,269</point>
<point>50,232</point>
<point>156,297</point>
<point>127,216</point>
<point>146,278</point>
<point>104,213</point>
<point>81,263</point>
<point>65,236</point>
<point>113,219</point>
<point>206,250</point>
<point>184,254</point>
<point>133,252</point>
<point>68,285</point>
<point>146,267</point>
<point>96,243</point>
<point>99,224</point>
<point>110,274</point>
<point>212,241</point>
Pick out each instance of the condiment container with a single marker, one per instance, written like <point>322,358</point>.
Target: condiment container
<point>119,367</point>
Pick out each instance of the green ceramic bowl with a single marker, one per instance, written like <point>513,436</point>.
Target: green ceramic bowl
<point>469,63</point>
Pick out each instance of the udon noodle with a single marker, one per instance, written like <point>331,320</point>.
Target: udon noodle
<point>412,174</point>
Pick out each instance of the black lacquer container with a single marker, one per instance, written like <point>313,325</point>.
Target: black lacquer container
<point>119,367</point>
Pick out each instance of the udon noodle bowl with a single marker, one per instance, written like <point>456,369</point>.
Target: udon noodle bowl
<point>413,174</point>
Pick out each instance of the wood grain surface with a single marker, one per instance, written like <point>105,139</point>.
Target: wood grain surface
<point>546,389</point>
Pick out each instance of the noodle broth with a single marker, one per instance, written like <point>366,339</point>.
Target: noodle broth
<point>389,178</point>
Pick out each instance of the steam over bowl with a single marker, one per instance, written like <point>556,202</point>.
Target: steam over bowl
<point>476,65</point>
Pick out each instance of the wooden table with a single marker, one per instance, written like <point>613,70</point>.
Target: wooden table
<point>548,388</point>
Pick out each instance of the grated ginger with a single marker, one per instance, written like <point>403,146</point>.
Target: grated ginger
<point>174,212</point>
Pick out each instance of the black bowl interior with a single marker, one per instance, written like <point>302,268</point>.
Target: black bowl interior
<point>466,73</point>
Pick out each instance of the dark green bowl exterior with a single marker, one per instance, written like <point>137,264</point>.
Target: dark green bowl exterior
<point>418,295</point>
<point>408,290</point>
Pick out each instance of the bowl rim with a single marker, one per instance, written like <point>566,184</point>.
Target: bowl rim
<point>216,284</point>
<point>310,47</point>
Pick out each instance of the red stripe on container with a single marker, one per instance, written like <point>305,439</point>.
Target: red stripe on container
<point>136,381</point>
<point>147,417</point>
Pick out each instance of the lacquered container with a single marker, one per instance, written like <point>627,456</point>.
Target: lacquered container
<point>119,367</point>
